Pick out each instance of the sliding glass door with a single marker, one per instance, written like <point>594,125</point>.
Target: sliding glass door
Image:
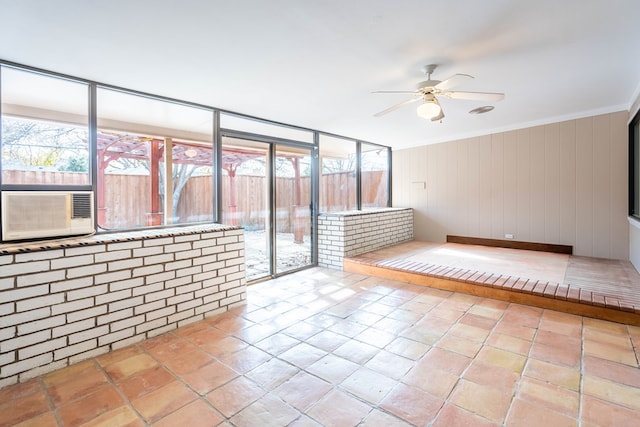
<point>266,189</point>
<point>292,168</point>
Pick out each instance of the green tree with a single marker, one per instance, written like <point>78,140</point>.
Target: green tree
<point>76,164</point>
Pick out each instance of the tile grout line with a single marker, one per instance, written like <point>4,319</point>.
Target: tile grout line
<point>581,386</point>
<point>52,407</point>
<point>373,406</point>
<point>446,399</point>
<point>201,397</point>
<point>516,386</point>
<point>113,384</point>
<point>636,350</point>
<point>335,387</point>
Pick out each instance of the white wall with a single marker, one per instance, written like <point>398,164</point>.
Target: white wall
<point>634,243</point>
<point>563,183</point>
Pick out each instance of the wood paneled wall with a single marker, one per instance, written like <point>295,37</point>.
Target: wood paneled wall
<point>562,183</point>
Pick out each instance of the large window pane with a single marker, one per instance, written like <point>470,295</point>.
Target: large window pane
<point>192,179</point>
<point>245,200</point>
<point>374,175</point>
<point>338,177</point>
<point>243,124</point>
<point>138,138</point>
<point>44,129</point>
<point>293,208</point>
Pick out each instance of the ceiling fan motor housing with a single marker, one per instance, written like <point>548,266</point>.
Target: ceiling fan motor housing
<point>427,85</point>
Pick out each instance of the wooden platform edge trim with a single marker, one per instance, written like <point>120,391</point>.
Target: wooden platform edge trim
<point>512,244</point>
<point>484,291</point>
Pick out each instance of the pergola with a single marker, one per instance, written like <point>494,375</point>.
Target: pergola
<point>114,146</point>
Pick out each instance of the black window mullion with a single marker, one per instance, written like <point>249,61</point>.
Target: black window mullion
<point>358,175</point>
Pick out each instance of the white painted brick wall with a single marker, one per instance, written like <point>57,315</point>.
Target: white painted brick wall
<point>346,234</point>
<point>60,305</point>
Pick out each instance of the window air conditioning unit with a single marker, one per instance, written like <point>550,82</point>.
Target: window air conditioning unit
<point>37,214</point>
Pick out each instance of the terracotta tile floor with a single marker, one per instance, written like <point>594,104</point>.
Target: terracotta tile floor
<point>328,348</point>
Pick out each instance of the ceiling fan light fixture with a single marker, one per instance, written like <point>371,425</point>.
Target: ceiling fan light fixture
<point>428,110</point>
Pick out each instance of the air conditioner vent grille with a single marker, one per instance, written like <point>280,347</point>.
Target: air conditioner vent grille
<point>39,214</point>
<point>81,205</point>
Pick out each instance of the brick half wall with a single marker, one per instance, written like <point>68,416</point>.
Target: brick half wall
<point>351,233</point>
<point>65,301</point>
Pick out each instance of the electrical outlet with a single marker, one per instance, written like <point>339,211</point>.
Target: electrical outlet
<point>508,236</point>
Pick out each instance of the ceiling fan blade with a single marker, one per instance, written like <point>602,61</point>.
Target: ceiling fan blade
<point>452,81</point>
<point>395,107</point>
<point>439,116</point>
<point>477,96</point>
<point>394,91</point>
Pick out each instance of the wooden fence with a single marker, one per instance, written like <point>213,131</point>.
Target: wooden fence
<point>127,201</point>
<point>36,177</point>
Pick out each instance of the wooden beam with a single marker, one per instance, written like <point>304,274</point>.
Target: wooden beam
<point>168,181</point>
<point>154,217</point>
<point>512,244</point>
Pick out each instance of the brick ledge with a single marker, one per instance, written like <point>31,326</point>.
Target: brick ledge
<point>111,237</point>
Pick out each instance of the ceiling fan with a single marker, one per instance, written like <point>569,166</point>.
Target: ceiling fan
<point>429,90</point>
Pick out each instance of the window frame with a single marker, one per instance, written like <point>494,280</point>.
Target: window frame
<point>388,175</point>
<point>634,166</point>
<point>90,134</point>
<point>359,144</point>
<point>166,221</point>
<point>217,147</point>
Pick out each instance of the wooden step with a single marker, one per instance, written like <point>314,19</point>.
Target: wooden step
<point>551,296</point>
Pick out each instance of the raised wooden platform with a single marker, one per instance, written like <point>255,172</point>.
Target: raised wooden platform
<point>593,287</point>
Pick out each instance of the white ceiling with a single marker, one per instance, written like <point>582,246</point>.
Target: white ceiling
<point>315,63</point>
